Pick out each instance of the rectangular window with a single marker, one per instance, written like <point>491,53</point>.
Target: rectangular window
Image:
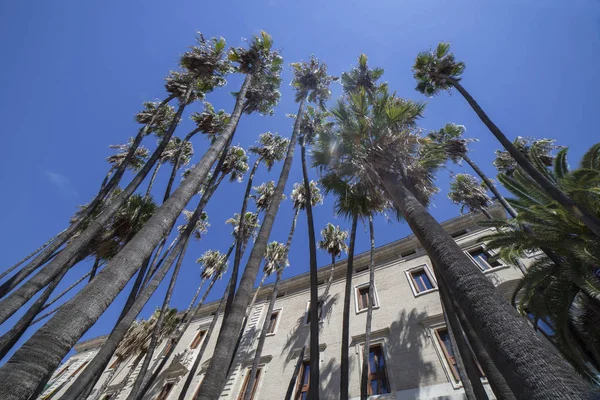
<point>421,280</point>
<point>443,338</point>
<point>164,393</point>
<point>197,339</point>
<point>378,382</point>
<point>273,322</point>
<point>254,386</point>
<point>320,312</point>
<point>303,382</point>
<point>483,259</point>
<point>362,294</point>
<point>167,348</point>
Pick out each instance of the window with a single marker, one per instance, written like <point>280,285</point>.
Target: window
<point>254,386</point>
<point>482,258</point>
<point>164,393</point>
<point>542,324</point>
<point>198,339</point>
<point>378,382</point>
<point>303,382</point>
<point>167,348</point>
<point>443,337</point>
<point>273,322</point>
<point>320,312</point>
<point>421,280</point>
<point>362,297</point>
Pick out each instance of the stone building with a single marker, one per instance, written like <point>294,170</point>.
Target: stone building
<point>409,338</point>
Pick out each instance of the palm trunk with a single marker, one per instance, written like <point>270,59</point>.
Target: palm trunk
<point>314,284</point>
<point>530,367</point>
<point>589,220</point>
<point>486,213</point>
<point>61,294</point>
<point>13,302</point>
<point>241,227</point>
<point>330,279</point>
<point>364,380</point>
<point>344,371</point>
<point>292,384</point>
<point>18,377</point>
<point>137,284</point>
<point>94,268</point>
<point>511,211</point>
<point>156,333</point>
<point>33,253</point>
<point>263,336</point>
<point>152,178</point>
<point>127,377</point>
<point>104,385</point>
<point>88,234</point>
<point>214,381</point>
<point>10,338</point>
<point>469,373</point>
<point>177,162</point>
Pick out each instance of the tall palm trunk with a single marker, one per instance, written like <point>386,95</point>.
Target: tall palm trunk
<point>33,253</point>
<point>241,228</point>
<point>589,220</point>
<point>10,338</point>
<point>105,384</point>
<point>152,178</point>
<point>511,211</point>
<point>364,379</point>
<point>530,367</point>
<point>192,373</point>
<point>263,336</point>
<point>294,380</point>
<point>67,256</point>
<point>21,375</point>
<point>314,283</point>
<point>176,165</point>
<point>469,373</point>
<point>344,370</point>
<point>89,233</point>
<point>214,381</point>
<point>156,333</point>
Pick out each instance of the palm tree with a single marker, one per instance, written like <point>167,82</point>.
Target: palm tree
<point>264,195</point>
<point>275,261</point>
<point>541,148</point>
<point>380,143</point>
<point>467,192</point>
<point>195,79</point>
<point>563,294</point>
<point>333,241</point>
<point>437,71</point>
<point>214,379</point>
<point>177,152</point>
<point>456,148</point>
<point>71,322</point>
<point>214,267</point>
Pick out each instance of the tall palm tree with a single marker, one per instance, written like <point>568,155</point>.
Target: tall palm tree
<point>437,71</point>
<point>467,192</point>
<point>564,294</point>
<point>214,379</point>
<point>541,148</point>
<point>380,143</point>
<point>264,195</point>
<point>275,261</point>
<point>270,149</point>
<point>456,148</point>
<point>19,381</point>
<point>333,241</point>
<point>203,78</point>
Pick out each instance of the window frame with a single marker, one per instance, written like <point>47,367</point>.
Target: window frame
<point>260,373</point>
<point>485,250</point>
<point>277,321</point>
<point>202,331</point>
<point>357,297</point>
<point>382,343</point>
<point>307,313</point>
<point>299,385</point>
<point>413,285</point>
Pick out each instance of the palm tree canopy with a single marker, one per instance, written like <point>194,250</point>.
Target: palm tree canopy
<point>568,294</point>
<point>201,227</point>
<point>468,192</point>
<point>275,258</point>
<point>450,137</point>
<point>433,68</point>
<point>271,148</point>
<point>251,224</point>
<point>298,195</point>
<point>209,121</point>
<point>333,240</point>
<point>212,262</point>
<point>361,77</point>
<point>173,148</point>
<point>235,164</point>
<point>163,118</point>
<point>311,79</point>
<point>137,161</point>
<point>313,123</point>
<point>264,195</point>
<point>543,148</point>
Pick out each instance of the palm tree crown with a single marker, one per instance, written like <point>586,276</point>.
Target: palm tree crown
<point>271,148</point>
<point>213,262</point>
<point>311,79</point>
<point>468,192</point>
<point>235,164</point>
<point>433,68</point>
<point>333,240</point>
<point>251,224</point>
<point>541,148</point>
<point>201,227</point>
<point>361,77</point>
<point>137,161</point>
<point>162,117</point>
<point>264,195</point>
<point>299,195</point>
<point>174,147</point>
<point>275,258</point>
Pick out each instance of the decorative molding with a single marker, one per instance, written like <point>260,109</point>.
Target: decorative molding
<point>375,335</point>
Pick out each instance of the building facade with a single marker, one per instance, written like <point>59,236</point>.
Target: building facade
<point>410,352</point>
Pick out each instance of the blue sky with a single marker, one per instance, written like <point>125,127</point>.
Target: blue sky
<point>74,74</point>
